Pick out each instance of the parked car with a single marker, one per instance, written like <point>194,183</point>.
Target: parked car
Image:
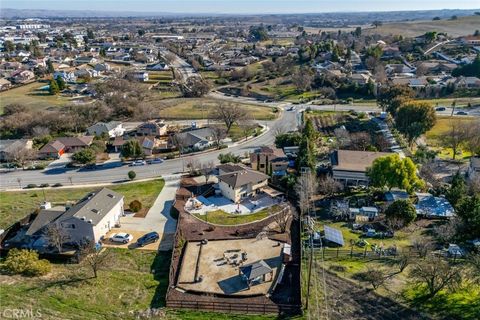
<point>291,108</point>
<point>156,160</point>
<point>462,113</point>
<point>441,109</point>
<point>121,237</point>
<point>138,163</point>
<point>150,237</point>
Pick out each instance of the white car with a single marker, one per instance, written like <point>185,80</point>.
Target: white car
<point>121,237</point>
<point>138,163</point>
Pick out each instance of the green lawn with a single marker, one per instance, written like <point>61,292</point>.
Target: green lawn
<point>224,218</point>
<point>30,96</point>
<point>16,205</point>
<point>441,127</point>
<point>464,303</point>
<point>200,108</point>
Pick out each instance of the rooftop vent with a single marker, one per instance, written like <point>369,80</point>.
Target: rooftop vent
<point>95,210</point>
<point>111,196</point>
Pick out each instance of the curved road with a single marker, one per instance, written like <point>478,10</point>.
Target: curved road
<point>115,172</point>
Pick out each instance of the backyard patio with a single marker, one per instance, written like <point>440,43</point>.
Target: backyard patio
<point>201,205</point>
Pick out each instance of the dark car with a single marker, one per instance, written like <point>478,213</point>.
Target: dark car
<point>148,238</point>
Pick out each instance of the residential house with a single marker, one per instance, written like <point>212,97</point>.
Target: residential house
<point>473,171</point>
<point>152,128</point>
<point>148,144</point>
<point>197,139</point>
<point>471,40</point>
<point>433,207</point>
<point>4,84</point>
<point>8,148</point>
<point>360,78</point>
<point>241,184</point>
<point>85,60</point>
<point>22,76</point>
<point>89,219</point>
<point>158,67</point>
<point>86,73</point>
<point>68,76</point>
<point>269,160</point>
<point>103,67</point>
<point>54,149</point>
<point>112,129</point>
<point>350,167</point>
<point>138,76</point>
<point>467,83</point>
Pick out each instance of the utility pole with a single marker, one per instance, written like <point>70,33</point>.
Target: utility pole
<point>310,261</point>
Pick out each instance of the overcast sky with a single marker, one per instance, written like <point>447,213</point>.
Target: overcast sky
<point>241,6</point>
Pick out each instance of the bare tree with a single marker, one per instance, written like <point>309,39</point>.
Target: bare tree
<point>447,231</point>
<point>474,184</point>
<point>282,217</point>
<point>218,133</point>
<point>95,259</point>
<point>329,186</point>
<point>455,136</point>
<point>475,267</point>
<point>375,277</point>
<point>403,261</point>
<point>57,236</point>
<point>436,274</point>
<point>305,188</point>
<point>40,131</point>
<point>343,137</point>
<point>21,155</point>
<point>339,209</point>
<point>422,246</point>
<point>360,140</point>
<point>229,114</point>
<point>180,142</point>
<point>247,126</point>
<point>193,166</point>
<point>207,170</point>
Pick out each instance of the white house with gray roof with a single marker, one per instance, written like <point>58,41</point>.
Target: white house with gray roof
<point>112,128</point>
<point>89,219</point>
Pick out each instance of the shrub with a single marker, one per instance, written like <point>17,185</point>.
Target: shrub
<point>131,175</point>
<point>44,185</point>
<point>31,185</point>
<point>56,185</point>
<point>135,206</point>
<point>26,262</point>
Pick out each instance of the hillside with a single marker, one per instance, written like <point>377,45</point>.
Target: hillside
<point>460,27</point>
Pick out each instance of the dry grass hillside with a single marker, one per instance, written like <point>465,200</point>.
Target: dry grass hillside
<point>460,27</point>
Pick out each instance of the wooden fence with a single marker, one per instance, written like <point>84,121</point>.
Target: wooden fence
<point>237,307</point>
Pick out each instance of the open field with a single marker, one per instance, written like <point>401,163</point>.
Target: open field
<point>200,108</point>
<point>17,204</point>
<point>441,127</point>
<point>30,96</point>
<point>460,27</point>
<point>223,218</point>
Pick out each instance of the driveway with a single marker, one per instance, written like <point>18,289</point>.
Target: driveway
<point>61,162</point>
<point>157,219</point>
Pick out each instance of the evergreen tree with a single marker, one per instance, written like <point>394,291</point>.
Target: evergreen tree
<point>53,87</point>
<point>61,83</point>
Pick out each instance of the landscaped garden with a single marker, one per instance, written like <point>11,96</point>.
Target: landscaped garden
<point>223,218</point>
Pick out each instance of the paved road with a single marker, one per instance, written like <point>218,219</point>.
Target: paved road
<point>183,68</point>
<point>115,172</point>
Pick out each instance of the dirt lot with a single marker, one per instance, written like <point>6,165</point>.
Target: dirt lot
<point>219,277</point>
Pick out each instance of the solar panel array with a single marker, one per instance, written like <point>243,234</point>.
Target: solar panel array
<point>333,235</point>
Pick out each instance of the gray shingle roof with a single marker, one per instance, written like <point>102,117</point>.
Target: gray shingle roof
<point>44,218</point>
<point>255,269</point>
<point>94,207</point>
<point>240,178</point>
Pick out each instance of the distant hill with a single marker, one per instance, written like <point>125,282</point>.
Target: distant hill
<point>456,28</point>
<point>308,19</point>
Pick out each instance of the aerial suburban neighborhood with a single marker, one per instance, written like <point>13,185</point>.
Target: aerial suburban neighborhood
<point>239,160</point>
